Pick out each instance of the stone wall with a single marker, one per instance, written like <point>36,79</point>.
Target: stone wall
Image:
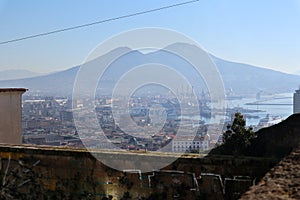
<point>41,172</point>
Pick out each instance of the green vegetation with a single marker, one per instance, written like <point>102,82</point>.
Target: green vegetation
<point>238,136</point>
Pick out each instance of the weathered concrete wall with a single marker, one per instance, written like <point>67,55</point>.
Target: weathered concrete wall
<point>10,115</point>
<point>64,173</point>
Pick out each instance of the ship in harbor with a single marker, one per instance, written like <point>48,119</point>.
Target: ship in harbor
<point>269,120</point>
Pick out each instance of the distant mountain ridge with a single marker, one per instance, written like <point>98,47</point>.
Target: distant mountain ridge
<point>247,79</point>
<point>17,74</point>
<point>297,72</point>
<point>55,84</point>
<point>242,79</point>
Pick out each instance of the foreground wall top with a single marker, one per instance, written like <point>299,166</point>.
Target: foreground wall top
<point>13,90</point>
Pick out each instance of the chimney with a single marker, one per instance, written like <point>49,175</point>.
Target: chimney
<point>10,115</point>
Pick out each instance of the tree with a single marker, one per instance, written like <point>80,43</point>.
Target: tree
<point>237,135</point>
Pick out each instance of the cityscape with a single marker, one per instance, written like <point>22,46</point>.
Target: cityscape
<point>49,121</point>
<point>149,100</point>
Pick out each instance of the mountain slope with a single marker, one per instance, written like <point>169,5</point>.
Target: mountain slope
<point>56,84</point>
<point>17,74</point>
<point>249,79</point>
<point>241,78</point>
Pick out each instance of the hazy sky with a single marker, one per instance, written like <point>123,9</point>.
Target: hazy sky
<point>260,32</point>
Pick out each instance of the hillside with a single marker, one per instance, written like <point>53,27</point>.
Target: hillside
<point>281,182</point>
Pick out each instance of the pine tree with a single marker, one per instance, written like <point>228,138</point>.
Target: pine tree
<point>238,136</point>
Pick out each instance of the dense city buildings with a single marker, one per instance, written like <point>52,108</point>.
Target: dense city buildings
<point>49,121</point>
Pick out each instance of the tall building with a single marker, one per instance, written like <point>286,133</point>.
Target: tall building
<point>296,101</point>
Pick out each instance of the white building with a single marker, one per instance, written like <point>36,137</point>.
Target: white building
<point>296,102</point>
<point>189,144</point>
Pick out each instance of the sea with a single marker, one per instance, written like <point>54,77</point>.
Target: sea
<point>279,106</point>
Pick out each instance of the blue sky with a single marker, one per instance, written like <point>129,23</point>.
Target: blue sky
<point>265,33</point>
